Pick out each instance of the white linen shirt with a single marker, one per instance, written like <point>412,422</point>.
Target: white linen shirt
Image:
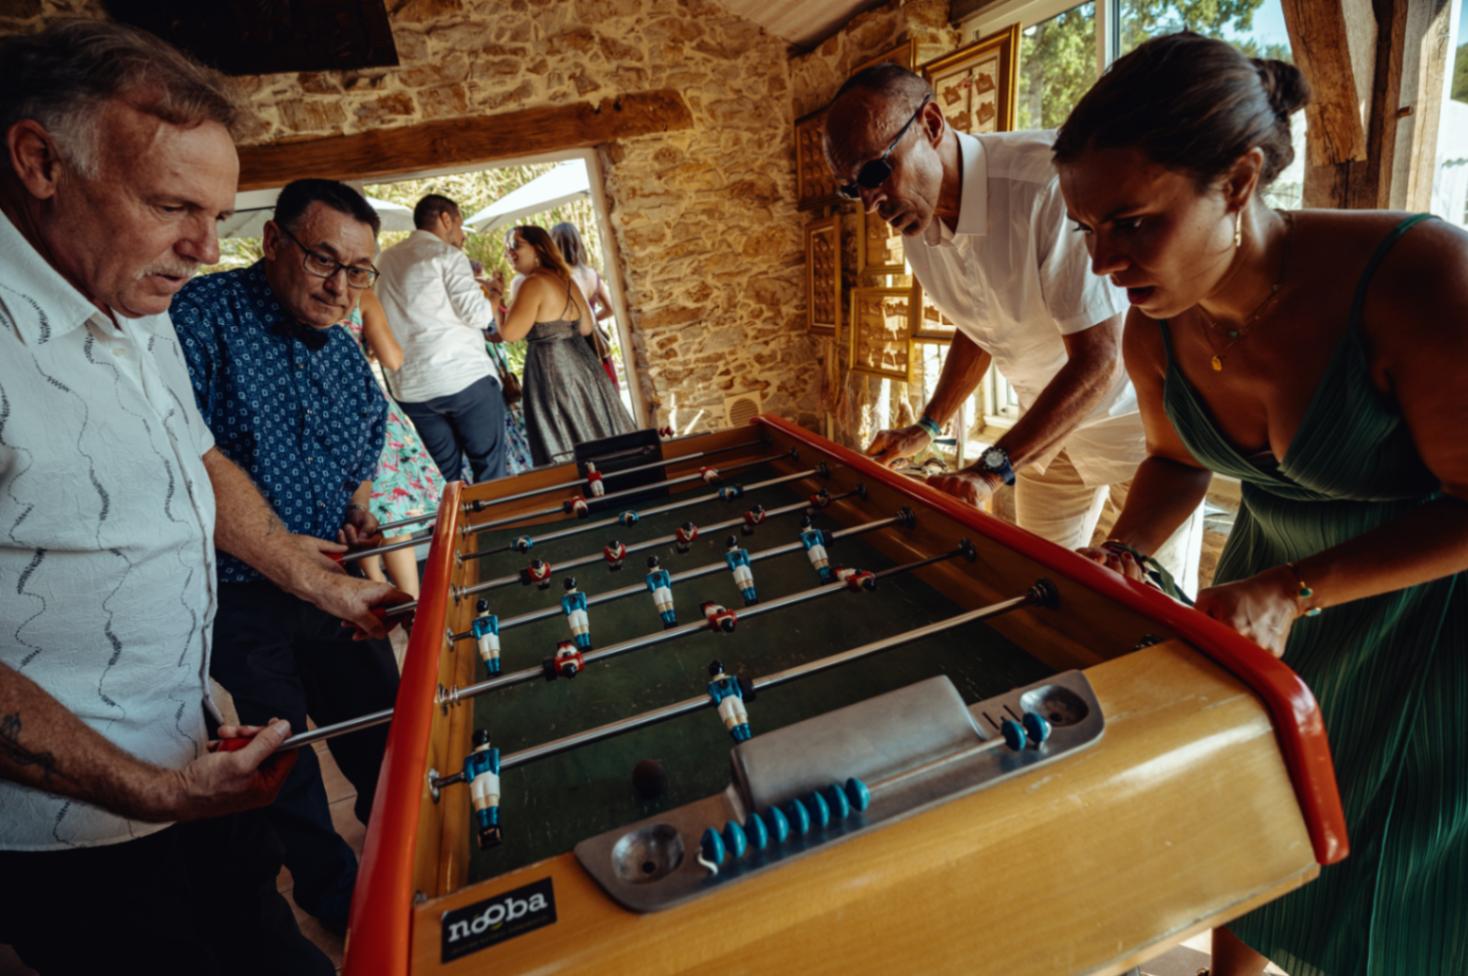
<point>107,588</point>
<point>1014,278</point>
<point>438,314</point>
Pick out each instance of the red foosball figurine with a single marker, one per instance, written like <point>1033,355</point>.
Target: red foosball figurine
<point>567,663</point>
<point>856,579</point>
<point>709,475</point>
<point>594,487</point>
<point>614,553</point>
<point>538,572</point>
<point>575,505</point>
<point>684,535</point>
<point>719,617</point>
<point>752,518</point>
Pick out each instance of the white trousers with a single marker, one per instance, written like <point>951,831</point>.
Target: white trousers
<point>1059,506</point>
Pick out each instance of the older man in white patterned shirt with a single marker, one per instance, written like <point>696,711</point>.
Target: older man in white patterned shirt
<point>118,165</point>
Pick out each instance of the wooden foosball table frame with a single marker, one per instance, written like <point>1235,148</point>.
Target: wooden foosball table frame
<point>1210,793</point>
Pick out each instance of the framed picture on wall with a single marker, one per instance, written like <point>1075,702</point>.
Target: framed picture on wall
<point>933,325</point>
<point>823,275</point>
<point>879,249</point>
<point>975,85</point>
<point>814,185</point>
<point>882,323</point>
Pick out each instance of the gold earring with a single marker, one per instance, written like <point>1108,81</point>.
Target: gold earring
<point>1238,229</point>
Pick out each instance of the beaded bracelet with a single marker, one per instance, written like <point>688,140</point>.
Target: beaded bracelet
<point>934,429</point>
<point>1151,568</point>
<point>1303,595</point>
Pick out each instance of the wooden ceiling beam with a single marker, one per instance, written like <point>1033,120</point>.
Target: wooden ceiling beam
<point>1395,113</point>
<point>464,141</point>
<point>1334,44</point>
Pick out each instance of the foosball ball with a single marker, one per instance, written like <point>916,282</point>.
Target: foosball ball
<point>748,701</point>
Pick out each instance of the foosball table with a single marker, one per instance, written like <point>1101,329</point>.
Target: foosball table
<point>748,701</point>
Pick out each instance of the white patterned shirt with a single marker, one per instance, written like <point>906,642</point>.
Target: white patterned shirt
<point>107,587</point>
<point>1015,278</point>
<point>438,314</point>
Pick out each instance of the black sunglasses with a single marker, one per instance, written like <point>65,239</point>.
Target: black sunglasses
<point>874,173</point>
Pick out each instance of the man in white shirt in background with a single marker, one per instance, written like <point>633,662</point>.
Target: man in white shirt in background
<point>448,385</point>
<point>986,234</point>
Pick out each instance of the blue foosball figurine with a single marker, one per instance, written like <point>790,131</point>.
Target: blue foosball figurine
<point>486,631</point>
<point>736,558</point>
<point>573,605</point>
<point>729,697</point>
<point>815,541</point>
<point>482,771</point>
<point>660,585</point>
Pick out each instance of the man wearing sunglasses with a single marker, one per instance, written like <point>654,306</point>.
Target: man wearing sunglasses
<point>290,398</point>
<point>985,232</point>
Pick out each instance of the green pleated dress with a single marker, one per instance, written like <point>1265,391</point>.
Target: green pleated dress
<point>1390,673</point>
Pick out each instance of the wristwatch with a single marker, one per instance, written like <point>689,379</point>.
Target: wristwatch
<point>995,461</point>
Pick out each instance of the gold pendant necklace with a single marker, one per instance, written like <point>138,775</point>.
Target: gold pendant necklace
<point>1234,335</point>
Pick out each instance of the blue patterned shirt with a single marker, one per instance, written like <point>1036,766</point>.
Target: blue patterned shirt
<point>295,407</point>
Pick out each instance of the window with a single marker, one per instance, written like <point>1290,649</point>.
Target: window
<point>1065,47</point>
<point>1057,64</point>
<point>1450,181</point>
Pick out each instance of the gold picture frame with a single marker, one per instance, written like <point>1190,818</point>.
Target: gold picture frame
<point>814,184</point>
<point>882,323</point>
<point>823,275</point>
<point>975,85</point>
<point>932,324</point>
<point>879,247</point>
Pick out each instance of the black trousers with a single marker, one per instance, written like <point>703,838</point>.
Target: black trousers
<point>470,422</point>
<point>279,656</point>
<point>195,899</point>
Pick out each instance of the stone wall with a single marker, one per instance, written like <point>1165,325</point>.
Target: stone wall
<point>709,238</point>
<point>858,405</point>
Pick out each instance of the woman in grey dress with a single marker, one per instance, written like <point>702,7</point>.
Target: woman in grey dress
<point>568,398</point>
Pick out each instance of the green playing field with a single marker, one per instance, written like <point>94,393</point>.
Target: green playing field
<point>548,805</point>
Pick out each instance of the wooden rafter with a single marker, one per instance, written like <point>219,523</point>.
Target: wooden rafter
<point>456,142</point>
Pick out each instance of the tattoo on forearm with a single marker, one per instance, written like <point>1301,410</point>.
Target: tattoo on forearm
<point>15,752</point>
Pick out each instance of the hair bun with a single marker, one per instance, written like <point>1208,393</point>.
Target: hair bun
<point>1284,85</point>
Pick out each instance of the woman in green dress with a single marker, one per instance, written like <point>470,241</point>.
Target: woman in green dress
<point>1321,358</point>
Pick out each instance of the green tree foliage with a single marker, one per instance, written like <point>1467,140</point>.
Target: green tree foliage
<point>1460,74</point>
<point>1058,57</point>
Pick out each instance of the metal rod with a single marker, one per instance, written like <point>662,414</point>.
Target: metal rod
<point>481,505</point>
<point>566,743</point>
<point>704,570</point>
<point>699,571</point>
<point>469,530</point>
<point>682,630</point>
<point>410,541</point>
<point>1041,593</point>
<point>324,732</point>
<point>659,510</point>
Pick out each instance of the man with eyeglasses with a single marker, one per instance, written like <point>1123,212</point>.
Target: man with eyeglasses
<point>291,400</point>
<point>448,384</point>
<point>985,231</point>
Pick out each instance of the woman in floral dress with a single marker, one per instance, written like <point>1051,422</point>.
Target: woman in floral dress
<point>407,482</point>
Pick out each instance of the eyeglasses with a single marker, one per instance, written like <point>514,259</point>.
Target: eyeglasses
<point>875,172</point>
<point>321,266</point>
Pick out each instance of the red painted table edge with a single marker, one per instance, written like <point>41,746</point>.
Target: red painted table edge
<point>380,930</point>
